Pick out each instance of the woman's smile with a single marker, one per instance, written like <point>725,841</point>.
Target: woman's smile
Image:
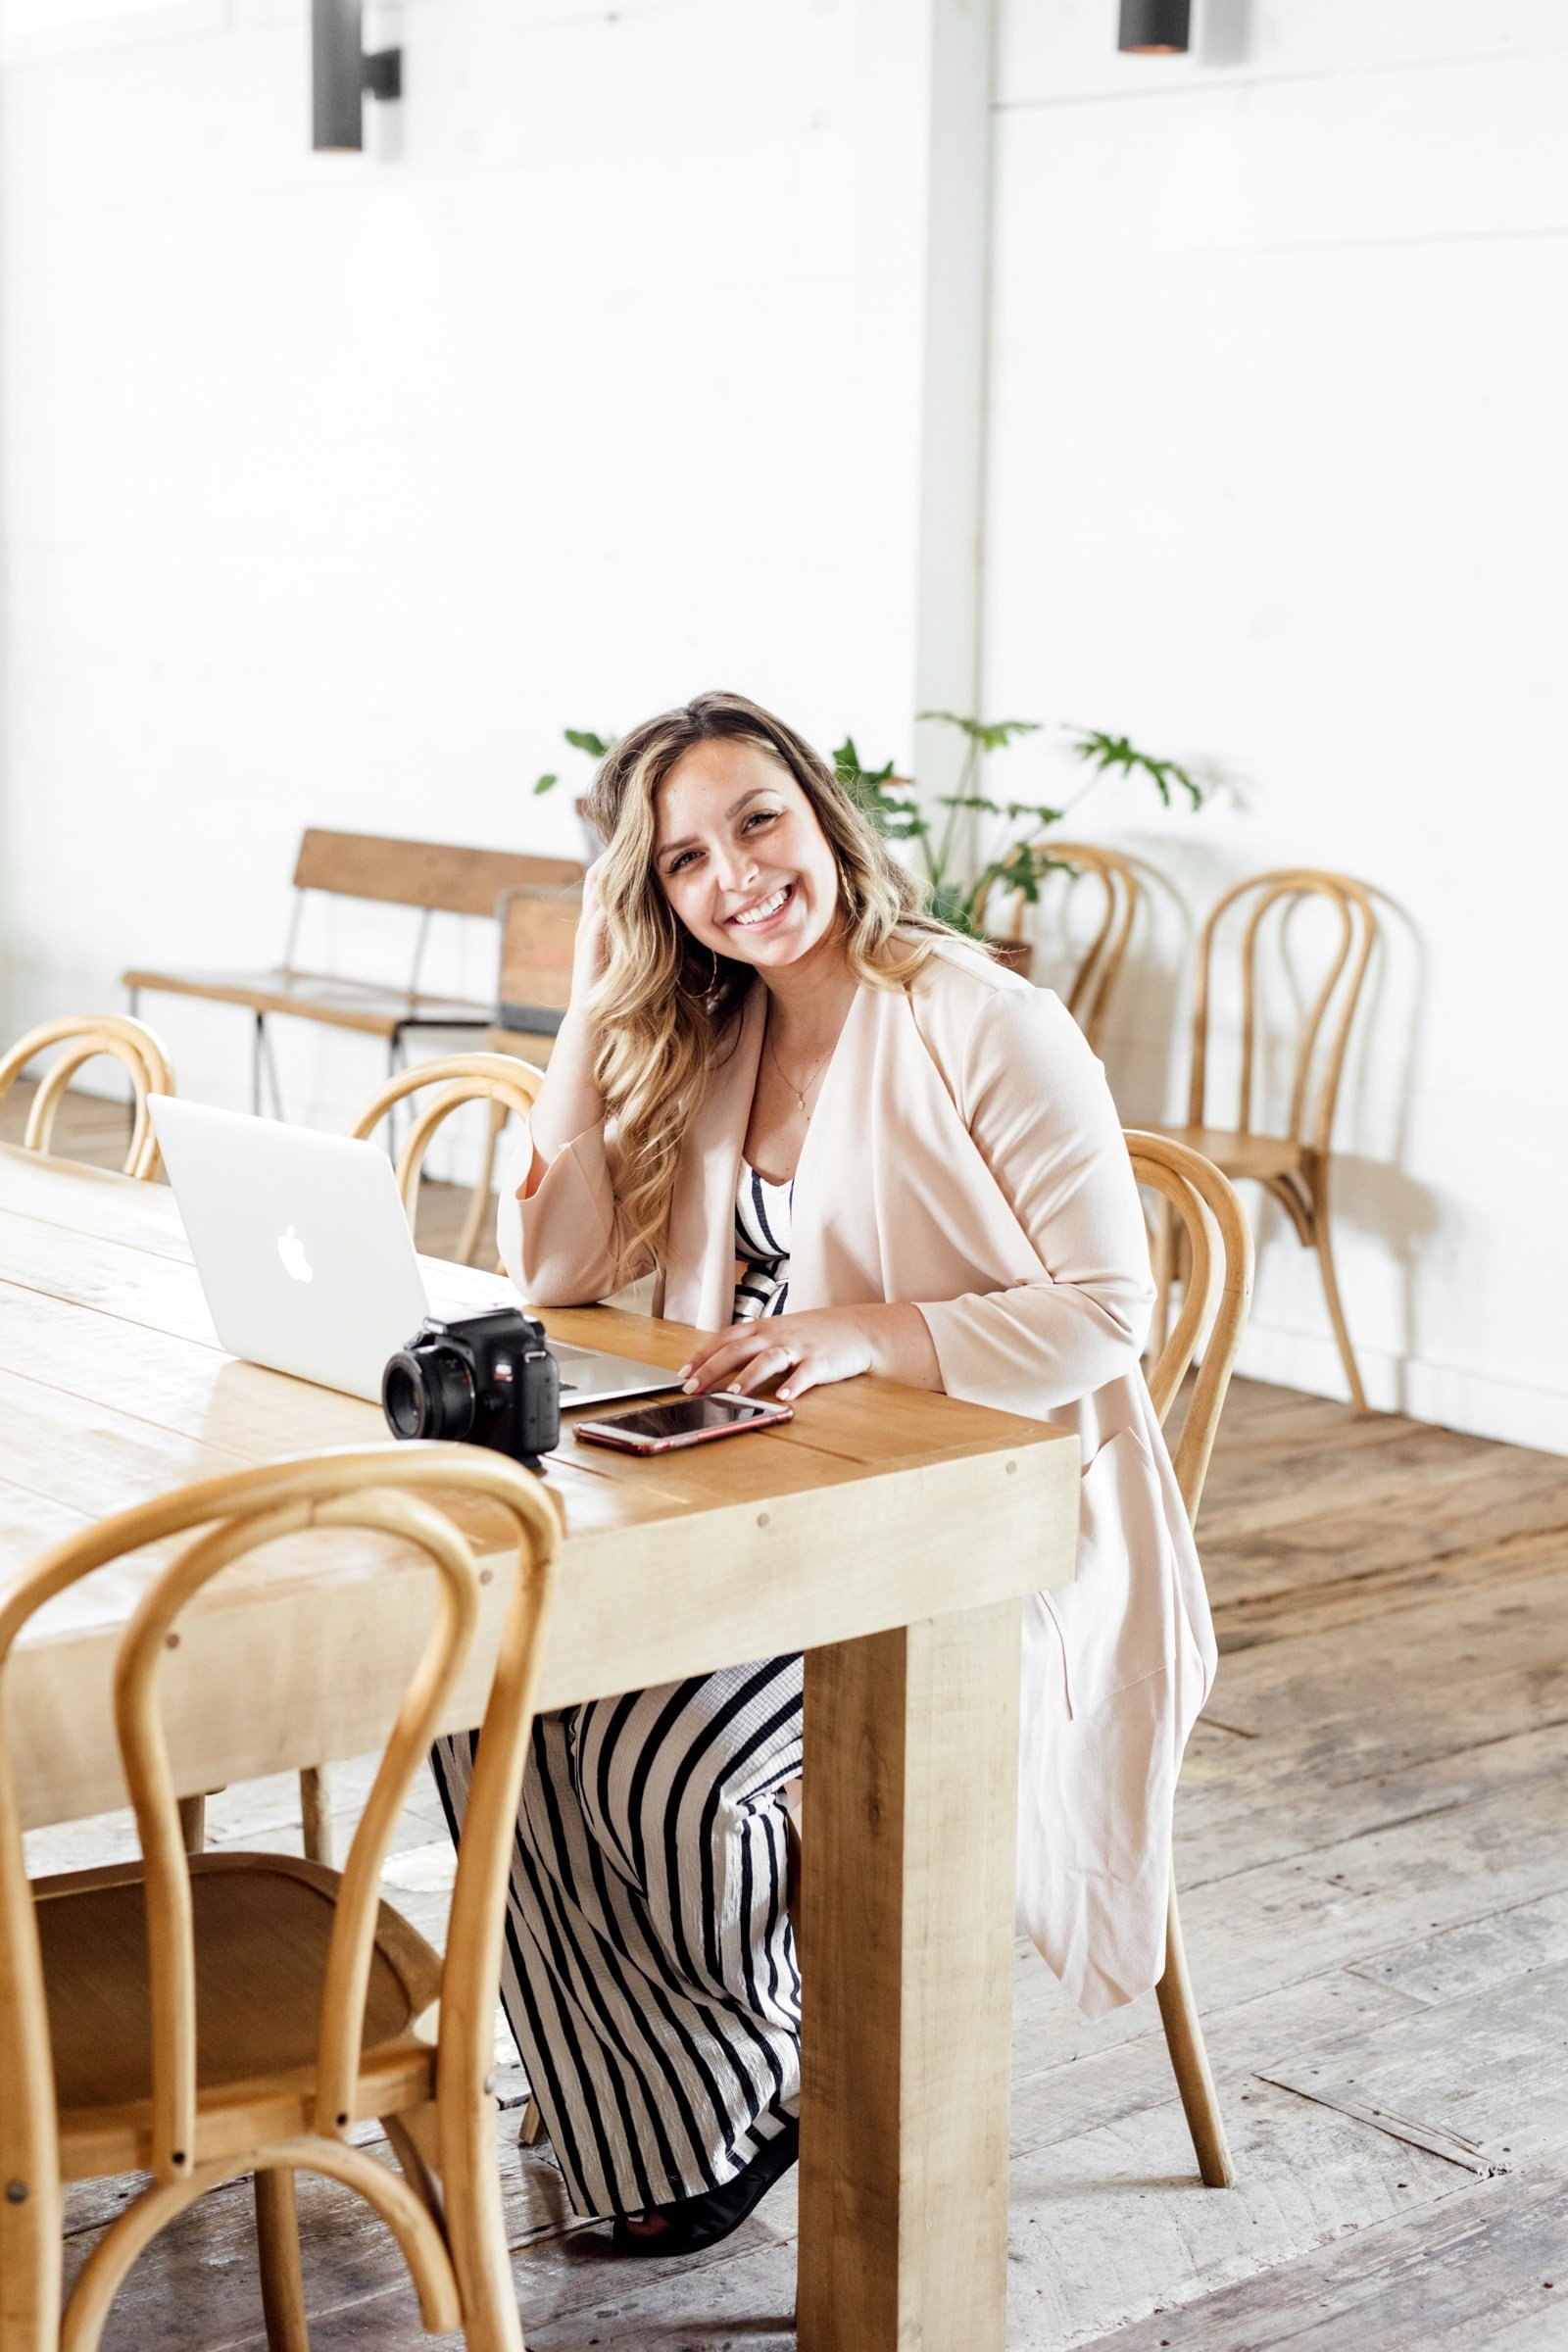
<point>762,912</point>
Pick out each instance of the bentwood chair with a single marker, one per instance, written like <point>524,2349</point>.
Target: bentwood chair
<point>1219,1290</point>
<point>507,1085</point>
<point>202,2018</point>
<point>1063,866</point>
<point>138,1050</point>
<point>1293,1167</point>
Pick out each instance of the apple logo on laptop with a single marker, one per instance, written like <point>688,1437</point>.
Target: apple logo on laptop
<point>291,1250</point>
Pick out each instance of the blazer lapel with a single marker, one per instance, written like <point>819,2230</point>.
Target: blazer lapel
<point>893,1199</point>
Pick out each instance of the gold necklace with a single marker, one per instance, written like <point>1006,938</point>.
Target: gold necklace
<point>799,1093</point>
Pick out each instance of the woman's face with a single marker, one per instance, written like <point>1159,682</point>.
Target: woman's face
<point>739,856</point>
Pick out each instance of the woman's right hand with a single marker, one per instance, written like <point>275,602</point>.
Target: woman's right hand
<point>591,949</point>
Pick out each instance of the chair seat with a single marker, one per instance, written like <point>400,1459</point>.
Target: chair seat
<point>1236,1153</point>
<point>263,1923</point>
<point>366,1004</point>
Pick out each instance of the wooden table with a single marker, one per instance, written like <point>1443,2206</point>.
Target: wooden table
<point>887,1533</point>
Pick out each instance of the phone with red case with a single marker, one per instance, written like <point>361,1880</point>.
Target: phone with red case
<point>684,1421</point>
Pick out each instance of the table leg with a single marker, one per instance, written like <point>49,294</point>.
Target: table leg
<point>909,1839</point>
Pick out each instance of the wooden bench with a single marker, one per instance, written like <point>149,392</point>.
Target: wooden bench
<point>432,877</point>
<point>538,933</point>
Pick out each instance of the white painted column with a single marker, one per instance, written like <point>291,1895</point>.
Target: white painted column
<point>922,231</point>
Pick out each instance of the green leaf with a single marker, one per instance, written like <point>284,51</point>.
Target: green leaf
<point>1104,751</point>
<point>598,747</point>
<point>546,783</point>
<point>950,904</point>
<point>969,799</point>
<point>991,735</point>
<point>1046,816</point>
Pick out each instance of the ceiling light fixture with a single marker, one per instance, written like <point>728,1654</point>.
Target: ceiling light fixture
<point>1155,27</point>
<point>340,72</point>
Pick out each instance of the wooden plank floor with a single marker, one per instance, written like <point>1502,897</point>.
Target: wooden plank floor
<point>1373,1853</point>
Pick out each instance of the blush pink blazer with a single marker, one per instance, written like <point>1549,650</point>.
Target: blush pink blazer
<point>966,1157</point>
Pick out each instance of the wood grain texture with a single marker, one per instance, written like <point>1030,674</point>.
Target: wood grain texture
<point>1482,2270</point>
<point>908,1919</point>
<point>453,878</point>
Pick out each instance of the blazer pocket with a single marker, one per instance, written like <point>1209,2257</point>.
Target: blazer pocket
<point>1114,1617</point>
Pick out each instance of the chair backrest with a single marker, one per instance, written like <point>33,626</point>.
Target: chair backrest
<point>384,1489</point>
<point>460,1078</point>
<point>1325,1033</point>
<point>139,1050</point>
<point>1219,1294</point>
<point>1061,867</point>
<point>442,876</point>
<point>538,933</point>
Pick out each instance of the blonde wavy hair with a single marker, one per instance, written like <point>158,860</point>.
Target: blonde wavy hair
<point>666,1009</point>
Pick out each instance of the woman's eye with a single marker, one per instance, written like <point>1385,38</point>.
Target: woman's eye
<point>684,859</point>
<point>759,817</point>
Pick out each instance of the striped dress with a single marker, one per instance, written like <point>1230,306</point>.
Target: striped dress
<point>649,1973</point>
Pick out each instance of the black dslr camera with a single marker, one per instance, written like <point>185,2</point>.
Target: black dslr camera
<point>490,1378</point>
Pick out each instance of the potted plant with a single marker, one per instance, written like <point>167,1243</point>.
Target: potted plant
<point>1012,857</point>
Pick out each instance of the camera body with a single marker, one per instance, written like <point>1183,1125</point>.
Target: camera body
<point>489,1379</point>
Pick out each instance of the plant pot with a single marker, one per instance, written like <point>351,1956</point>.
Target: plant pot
<point>1013,955</point>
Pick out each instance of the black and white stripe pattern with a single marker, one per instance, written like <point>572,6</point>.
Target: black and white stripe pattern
<point>762,1221</point>
<point>649,1970</point>
<point>648,1973</point>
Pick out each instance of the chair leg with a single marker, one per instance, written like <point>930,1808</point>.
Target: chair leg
<point>413,2143</point>
<point>30,2265</point>
<point>1331,1291</point>
<point>278,2240</point>
<point>534,2124</point>
<point>480,1204</point>
<point>1184,2038</point>
<point>193,1823</point>
<point>316,1813</point>
<point>476,2231</point>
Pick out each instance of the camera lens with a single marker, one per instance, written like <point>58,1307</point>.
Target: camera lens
<point>428,1393</point>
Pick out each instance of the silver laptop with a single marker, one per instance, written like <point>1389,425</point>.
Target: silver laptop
<point>307,1261</point>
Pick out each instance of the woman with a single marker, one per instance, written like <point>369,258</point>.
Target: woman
<point>843,1141</point>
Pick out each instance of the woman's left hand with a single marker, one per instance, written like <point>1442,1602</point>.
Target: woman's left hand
<point>801,1352</point>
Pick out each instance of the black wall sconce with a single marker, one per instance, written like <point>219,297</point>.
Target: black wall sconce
<point>1155,27</point>
<point>340,72</point>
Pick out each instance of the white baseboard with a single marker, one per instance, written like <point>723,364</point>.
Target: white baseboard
<point>1451,1397</point>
